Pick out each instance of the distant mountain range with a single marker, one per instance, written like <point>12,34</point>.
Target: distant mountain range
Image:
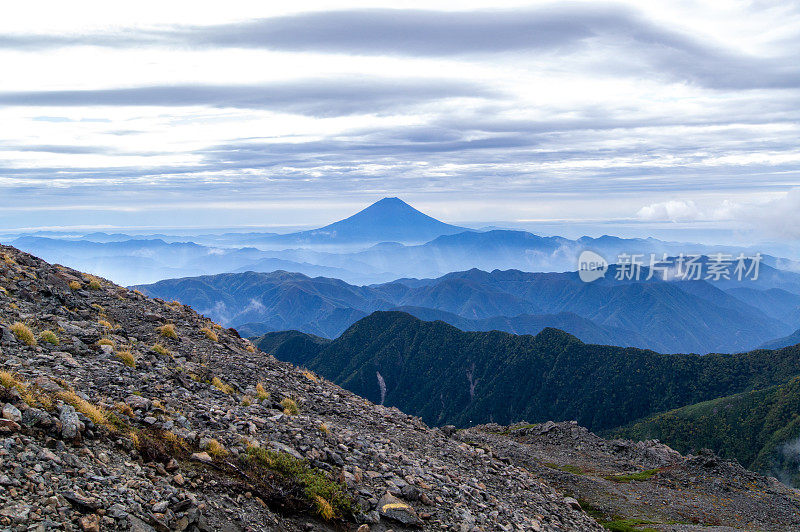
<point>387,240</point>
<point>675,316</point>
<point>500,377</point>
<point>743,406</point>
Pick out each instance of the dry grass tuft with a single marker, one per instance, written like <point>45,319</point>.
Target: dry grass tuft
<point>94,284</point>
<point>309,375</point>
<point>211,335</point>
<point>127,358</point>
<point>168,331</point>
<point>250,348</point>
<point>324,508</point>
<point>105,324</point>
<point>161,350</point>
<point>49,337</point>
<point>75,285</point>
<point>23,333</point>
<point>215,449</point>
<point>219,384</point>
<point>289,407</point>
<point>105,341</point>
<point>97,414</point>
<point>7,380</point>
<point>124,409</point>
<point>261,393</point>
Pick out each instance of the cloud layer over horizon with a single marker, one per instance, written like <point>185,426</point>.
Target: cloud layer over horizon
<point>670,111</point>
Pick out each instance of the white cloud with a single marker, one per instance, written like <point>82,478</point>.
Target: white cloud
<point>569,123</point>
<point>671,211</point>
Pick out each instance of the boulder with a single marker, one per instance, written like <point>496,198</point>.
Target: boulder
<point>393,508</point>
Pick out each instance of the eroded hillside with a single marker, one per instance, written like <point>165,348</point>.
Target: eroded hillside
<point>125,412</point>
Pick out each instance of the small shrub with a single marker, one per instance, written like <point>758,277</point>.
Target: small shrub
<point>261,393</point>
<point>94,284</point>
<point>168,331</point>
<point>49,337</point>
<point>220,385</point>
<point>323,428</point>
<point>211,335</point>
<point>330,498</point>
<point>289,407</point>
<point>247,400</point>
<point>250,348</point>
<point>127,358</point>
<point>161,350</point>
<point>23,333</point>
<point>75,285</point>
<point>215,449</point>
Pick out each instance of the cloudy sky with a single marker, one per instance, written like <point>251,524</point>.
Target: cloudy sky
<point>154,114</point>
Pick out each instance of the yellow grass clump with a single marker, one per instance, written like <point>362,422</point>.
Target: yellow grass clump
<point>261,393</point>
<point>289,407</point>
<point>309,375</point>
<point>23,333</point>
<point>168,331</point>
<point>127,358</point>
<point>7,380</point>
<point>211,335</point>
<point>219,384</point>
<point>97,414</point>
<point>75,285</point>
<point>124,409</point>
<point>49,337</point>
<point>161,350</point>
<point>215,449</point>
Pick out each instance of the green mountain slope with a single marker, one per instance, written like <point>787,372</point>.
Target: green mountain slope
<point>444,375</point>
<point>757,428</point>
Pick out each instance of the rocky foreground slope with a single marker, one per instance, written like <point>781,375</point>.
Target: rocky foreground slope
<point>123,412</point>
